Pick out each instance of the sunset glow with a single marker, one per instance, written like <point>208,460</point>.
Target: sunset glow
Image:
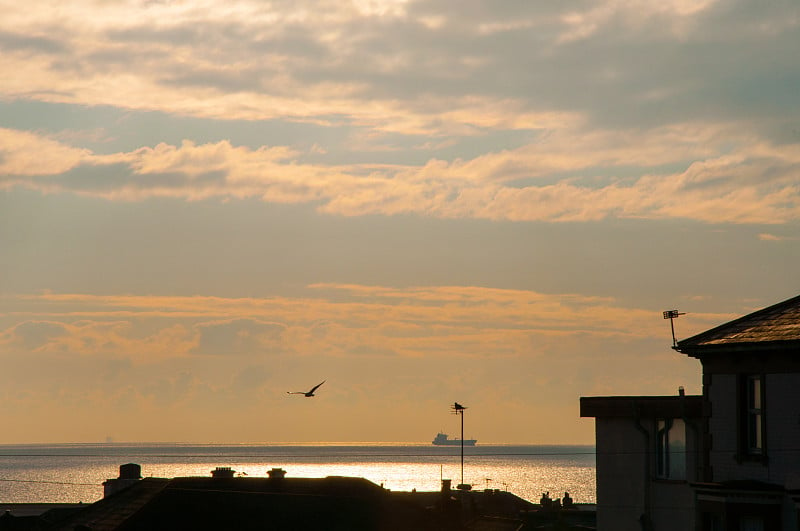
<point>204,205</point>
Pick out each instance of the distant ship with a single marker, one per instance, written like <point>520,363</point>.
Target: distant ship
<point>442,440</point>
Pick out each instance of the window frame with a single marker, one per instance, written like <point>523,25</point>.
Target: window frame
<point>754,415</point>
<point>665,448</point>
<point>752,407</point>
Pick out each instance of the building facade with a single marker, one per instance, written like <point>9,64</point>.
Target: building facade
<point>647,455</point>
<point>741,438</point>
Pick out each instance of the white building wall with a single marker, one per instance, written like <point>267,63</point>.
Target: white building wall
<point>620,474</point>
<point>673,506</point>
<point>672,503</point>
<point>626,482</point>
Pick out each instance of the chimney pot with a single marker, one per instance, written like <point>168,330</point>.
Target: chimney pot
<point>222,472</point>
<point>276,473</point>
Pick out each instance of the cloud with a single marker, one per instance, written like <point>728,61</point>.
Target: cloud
<point>333,320</point>
<point>436,113</point>
<point>170,390</point>
<point>251,378</point>
<point>85,337</point>
<point>671,16</point>
<point>414,67</point>
<point>239,337</point>
<point>33,335</point>
<point>388,343</point>
<point>769,237</point>
<point>629,110</point>
<point>26,154</point>
<point>94,338</point>
<point>753,183</point>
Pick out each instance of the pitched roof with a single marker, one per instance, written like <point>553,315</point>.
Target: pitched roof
<point>777,326</point>
<point>109,513</point>
<point>206,504</point>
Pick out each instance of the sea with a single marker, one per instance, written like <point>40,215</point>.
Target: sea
<point>72,473</point>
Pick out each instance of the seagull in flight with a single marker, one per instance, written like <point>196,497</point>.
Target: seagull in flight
<point>306,393</point>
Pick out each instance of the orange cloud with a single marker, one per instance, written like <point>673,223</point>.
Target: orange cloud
<point>337,320</point>
<point>24,154</point>
<point>754,184</point>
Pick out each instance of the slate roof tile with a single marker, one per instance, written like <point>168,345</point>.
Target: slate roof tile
<point>777,323</point>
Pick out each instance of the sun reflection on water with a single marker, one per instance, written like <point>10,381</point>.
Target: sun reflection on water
<point>61,474</point>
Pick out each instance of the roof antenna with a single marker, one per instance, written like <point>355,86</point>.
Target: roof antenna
<point>458,409</point>
<point>672,315</point>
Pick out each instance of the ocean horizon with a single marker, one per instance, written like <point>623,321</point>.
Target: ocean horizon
<point>74,472</point>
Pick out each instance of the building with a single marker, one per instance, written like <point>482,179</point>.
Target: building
<point>647,455</point>
<point>277,502</point>
<point>224,501</point>
<point>228,501</point>
<point>727,460</point>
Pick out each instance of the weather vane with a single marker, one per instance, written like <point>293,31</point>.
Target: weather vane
<point>672,315</point>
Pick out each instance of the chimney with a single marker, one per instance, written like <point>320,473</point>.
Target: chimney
<point>130,471</point>
<point>222,472</point>
<point>129,474</point>
<point>276,473</point>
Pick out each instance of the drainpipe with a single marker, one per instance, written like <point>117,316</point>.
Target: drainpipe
<point>698,465</point>
<point>644,519</point>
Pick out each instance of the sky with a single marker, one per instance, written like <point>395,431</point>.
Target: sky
<point>204,205</point>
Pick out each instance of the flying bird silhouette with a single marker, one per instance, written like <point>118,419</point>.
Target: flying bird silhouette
<point>306,393</point>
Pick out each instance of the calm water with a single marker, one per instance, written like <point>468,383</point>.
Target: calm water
<point>75,472</point>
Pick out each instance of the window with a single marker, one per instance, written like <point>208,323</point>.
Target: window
<point>751,523</point>
<point>752,418</point>
<point>671,449</point>
<point>712,522</point>
<point>754,421</point>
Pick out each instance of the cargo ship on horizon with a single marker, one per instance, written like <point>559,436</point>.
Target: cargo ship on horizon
<point>443,440</point>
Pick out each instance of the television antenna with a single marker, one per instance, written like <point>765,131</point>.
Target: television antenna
<point>458,409</point>
<point>672,315</point>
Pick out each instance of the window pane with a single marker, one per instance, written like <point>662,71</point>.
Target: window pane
<point>677,450</point>
<point>754,415</point>
<point>661,448</point>
<point>671,448</point>
<point>755,392</point>
<point>757,442</point>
